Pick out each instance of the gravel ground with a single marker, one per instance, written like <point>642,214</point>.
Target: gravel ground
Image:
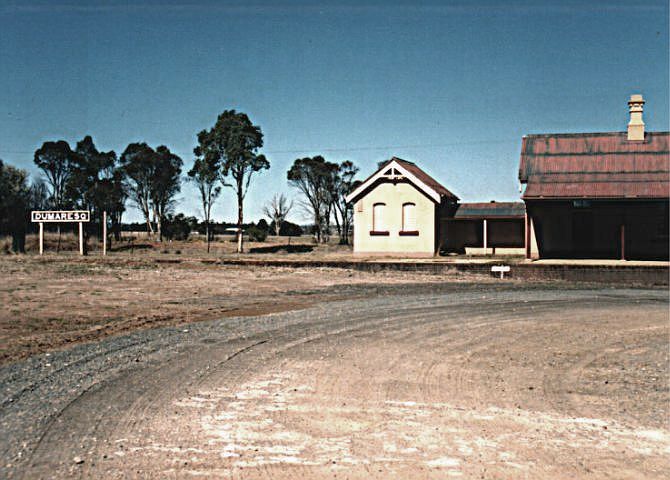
<point>56,302</point>
<point>463,380</point>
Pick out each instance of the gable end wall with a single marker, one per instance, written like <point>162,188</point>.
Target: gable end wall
<point>394,195</point>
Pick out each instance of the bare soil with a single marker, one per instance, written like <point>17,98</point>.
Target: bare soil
<point>56,301</point>
<point>384,375</point>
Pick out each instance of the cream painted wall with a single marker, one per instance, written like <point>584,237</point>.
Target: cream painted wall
<point>394,196</point>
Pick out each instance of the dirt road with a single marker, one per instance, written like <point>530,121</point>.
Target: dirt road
<point>457,380</point>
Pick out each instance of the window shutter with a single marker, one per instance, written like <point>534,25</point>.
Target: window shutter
<point>409,217</point>
<point>378,223</point>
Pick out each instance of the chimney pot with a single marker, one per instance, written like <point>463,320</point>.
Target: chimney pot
<point>636,125</point>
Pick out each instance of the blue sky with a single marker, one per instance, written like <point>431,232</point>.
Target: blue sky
<point>452,86</point>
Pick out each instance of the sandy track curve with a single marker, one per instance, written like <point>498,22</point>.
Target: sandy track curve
<point>473,383</point>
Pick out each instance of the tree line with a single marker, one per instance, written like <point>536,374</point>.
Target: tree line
<point>226,156</point>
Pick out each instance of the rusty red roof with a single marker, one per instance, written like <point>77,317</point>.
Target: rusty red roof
<point>475,211</point>
<point>595,165</point>
<point>423,176</point>
<point>429,182</point>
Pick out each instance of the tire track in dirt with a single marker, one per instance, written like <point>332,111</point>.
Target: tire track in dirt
<point>137,410</point>
<point>81,419</point>
<point>546,458</point>
<point>356,328</point>
<point>272,471</point>
<point>362,353</point>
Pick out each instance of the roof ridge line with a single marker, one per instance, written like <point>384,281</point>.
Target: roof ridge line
<point>584,134</point>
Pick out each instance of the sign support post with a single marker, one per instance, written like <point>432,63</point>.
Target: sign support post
<point>81,238</point>
<point>41,238</point>
<point>104,233</point>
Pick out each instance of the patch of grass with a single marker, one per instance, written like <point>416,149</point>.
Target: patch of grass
<point>79,269</point>
<point>141,266</point>
<point>6,245</point>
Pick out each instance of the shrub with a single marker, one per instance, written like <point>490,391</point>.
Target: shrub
<point>263,225</point>
<point>6,245</point>
<point>177,227</point>
<point>257,234</point>
<point>287,229</point>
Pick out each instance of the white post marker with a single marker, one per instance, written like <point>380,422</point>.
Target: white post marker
<point>81,238</point>
<point>104,233</point>
<point>41,238</point>
<point>502,269</point>
<point>486,239</point>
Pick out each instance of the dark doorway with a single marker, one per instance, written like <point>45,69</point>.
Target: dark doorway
<point>582,233</point>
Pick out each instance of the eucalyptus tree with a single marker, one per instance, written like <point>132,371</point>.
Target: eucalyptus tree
<point>152,181</point>
<point>342,212</point>
<point>54,159</point>
<point>39,195</point>
<point>137,162</point>
<point>205,175</point>
<point>117,195</point>
<point>235,142</point>
<point>14,204</point>
<point>165,185</point>
<point>90,185</point>
<point>315,177</point>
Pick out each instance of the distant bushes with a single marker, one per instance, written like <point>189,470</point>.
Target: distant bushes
<point>257,234</point>
<point>261,230</point>
<point>288,229</point>
<point>178,227</point>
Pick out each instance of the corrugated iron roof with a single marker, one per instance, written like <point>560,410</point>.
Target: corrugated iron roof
<point>595,165</point>
<point>421,180</point>
<point>424,177</point>
<point>418,173</point>
<point>475,211</point>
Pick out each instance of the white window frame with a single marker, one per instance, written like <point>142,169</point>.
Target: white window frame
<point>378,220</point>
<point>408,207</point>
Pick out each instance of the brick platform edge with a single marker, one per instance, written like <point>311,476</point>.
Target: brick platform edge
<point>612,274</point>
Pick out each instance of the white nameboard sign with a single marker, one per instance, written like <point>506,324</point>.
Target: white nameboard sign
<point>53,216</point>
<point>61,216</point>
<point>502,269</point>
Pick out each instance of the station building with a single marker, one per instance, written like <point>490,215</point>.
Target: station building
<point>585,195</point>
<point>597,195</point>
<point>401,210</point>
<point>398,211</point>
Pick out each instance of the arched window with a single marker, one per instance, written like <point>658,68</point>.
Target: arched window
<point>409,217</point>
<point>378,221</point>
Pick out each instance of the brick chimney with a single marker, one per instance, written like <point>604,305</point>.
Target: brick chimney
<point>636,125</point>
